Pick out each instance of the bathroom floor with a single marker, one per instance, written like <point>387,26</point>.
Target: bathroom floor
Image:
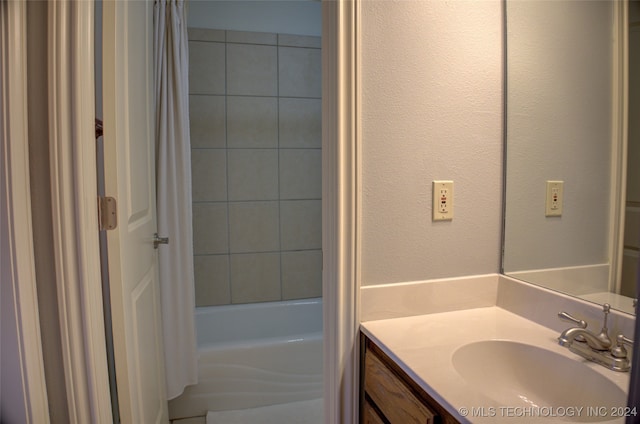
<point>191,420</point>
<point>303,412</point>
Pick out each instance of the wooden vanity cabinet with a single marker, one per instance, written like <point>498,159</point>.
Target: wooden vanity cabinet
<point>389,396</point>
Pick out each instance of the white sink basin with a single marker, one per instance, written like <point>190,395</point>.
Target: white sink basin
<point>518,374</point>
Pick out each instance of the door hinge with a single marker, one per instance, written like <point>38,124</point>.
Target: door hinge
<point>107,213</point>
<point>99,128</point>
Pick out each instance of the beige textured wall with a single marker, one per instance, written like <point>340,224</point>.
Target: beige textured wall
<point>284,17</point>
<point>431,109</point>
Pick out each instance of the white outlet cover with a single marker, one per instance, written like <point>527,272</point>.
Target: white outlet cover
<point>442,200</point>
<point>554,198</point>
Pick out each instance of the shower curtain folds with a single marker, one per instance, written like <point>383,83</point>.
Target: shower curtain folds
<point>173,187</point>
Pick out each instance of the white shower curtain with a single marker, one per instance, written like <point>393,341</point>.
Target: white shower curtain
<point>173,171</point>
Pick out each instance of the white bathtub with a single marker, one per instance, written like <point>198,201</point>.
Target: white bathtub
<point>255,355</point>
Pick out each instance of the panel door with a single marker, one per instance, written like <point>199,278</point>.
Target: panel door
<point>130,178</point>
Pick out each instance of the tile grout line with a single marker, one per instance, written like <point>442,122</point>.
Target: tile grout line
<point>278,133</point>
<point>226,152</point>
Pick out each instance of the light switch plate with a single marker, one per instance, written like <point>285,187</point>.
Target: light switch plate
<point>555,198</point>
<point>442,200</point>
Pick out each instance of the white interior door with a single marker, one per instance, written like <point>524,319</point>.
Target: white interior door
<point>130,178</point>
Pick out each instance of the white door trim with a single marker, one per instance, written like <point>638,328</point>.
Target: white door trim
<point>341,208</point>
<point>18,258</point>
<point>74,209</point>
<point>619,128</point>
<point>78,257</point>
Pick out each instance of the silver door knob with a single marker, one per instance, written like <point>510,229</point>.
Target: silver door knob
<point>159,240</point>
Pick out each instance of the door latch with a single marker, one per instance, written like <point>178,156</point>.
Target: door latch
<point>159,240</point>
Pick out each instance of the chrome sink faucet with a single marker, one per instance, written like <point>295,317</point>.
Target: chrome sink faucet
<point>596,347</point>
<point>595,341</point>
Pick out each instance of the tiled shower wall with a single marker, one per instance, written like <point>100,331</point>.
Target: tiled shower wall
<point>255,113</point>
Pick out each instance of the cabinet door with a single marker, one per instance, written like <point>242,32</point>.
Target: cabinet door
<point>396,401</point>
<point>369,415</point>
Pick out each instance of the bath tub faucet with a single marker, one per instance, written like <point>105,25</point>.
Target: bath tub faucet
<point>595,347</point>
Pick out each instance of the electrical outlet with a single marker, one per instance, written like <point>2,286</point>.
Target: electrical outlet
<point>442,200</point>
<point>555,197</point>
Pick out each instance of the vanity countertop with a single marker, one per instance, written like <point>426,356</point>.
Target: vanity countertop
<point>423,347</point>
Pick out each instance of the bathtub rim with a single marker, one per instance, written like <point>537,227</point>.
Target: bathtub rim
<point>304,326</point>
<point>201,310</point>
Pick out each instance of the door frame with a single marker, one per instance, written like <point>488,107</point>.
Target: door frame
<point>341,207</point>
<point>75,209</point>
<point>20,317</point>
<point>619,137</point>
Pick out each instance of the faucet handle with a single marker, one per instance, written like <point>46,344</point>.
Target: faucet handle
<point>580,323</point>
<point>565,316</point>
<point>621,339</point>
<point>604,333</point>
<point>619,351</point>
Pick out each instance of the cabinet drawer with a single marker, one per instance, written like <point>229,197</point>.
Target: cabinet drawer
<point>394,399</point>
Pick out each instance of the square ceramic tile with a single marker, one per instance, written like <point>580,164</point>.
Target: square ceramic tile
<point>210,233</point>
<point>206,34</point>
<point>299,72</point>
<point>300,174</point>
<point>301,274</point>
<point>628,278</point>
<point>252,70</point>
<point>206,67</point>
<point>207,121</point>
<point>252,121</point>
<point>633,173</point>
<point>253,174</point>
<point>300,122</point>
<point>299,40</point>
<point>209,175</point>
<point>253,227</point>
<point>255,277</point>
<point>247,37</point>
<point>301,224</point>
<point>632,228</point>
<point>212,280</point>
